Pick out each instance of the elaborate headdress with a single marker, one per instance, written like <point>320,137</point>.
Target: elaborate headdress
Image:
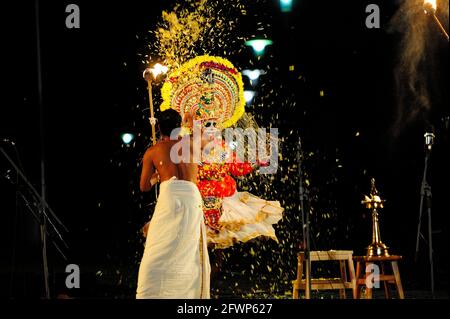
<point>210,85</point>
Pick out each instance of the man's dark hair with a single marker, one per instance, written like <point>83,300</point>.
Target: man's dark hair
<point>168,120</point>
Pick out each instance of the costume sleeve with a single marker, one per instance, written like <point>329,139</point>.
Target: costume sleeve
<point>238,168</point>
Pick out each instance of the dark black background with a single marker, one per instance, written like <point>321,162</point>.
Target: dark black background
<point>92,84</point>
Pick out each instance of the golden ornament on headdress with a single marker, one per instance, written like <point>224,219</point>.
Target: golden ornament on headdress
<point>210,86</point>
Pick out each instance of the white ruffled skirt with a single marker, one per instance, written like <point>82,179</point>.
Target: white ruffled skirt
<point>244,217</point>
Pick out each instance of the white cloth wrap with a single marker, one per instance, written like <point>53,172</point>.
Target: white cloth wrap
<point>175,264</point>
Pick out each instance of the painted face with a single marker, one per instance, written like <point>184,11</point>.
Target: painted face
<point>210,129</point>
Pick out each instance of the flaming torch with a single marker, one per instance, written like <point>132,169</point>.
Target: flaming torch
<point>149,73</point>
<point>430,7</point>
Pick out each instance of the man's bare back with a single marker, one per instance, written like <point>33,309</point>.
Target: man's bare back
<point>157,159</point>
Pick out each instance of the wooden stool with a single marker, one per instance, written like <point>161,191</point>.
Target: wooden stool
<point>343,256</point>
<point>387,279</point>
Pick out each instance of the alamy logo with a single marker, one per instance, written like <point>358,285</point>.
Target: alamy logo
<point>73,279</point>
<point>372,276</point>
<point>236,145</point>
<point>373,19</point>
<point>73,19</point>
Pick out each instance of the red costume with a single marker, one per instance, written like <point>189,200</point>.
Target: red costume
<point>215,182</point>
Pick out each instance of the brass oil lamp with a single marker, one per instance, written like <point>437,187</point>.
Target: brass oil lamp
<point>377,248</point>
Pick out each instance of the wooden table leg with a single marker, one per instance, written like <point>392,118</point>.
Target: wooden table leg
<point>368,273</point>
<point>300,260</point>
<point>398,282</point>
<point>295,291</point>
<point>299,277</point>
<point>343,277</point>
<point>353,277</point>
<point>307,275</point>
<point>358,275</point>
<point>387,292</point>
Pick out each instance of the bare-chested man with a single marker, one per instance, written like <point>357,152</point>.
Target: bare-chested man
<point>175,263</point>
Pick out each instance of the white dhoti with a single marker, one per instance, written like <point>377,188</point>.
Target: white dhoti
<point>175,264</point>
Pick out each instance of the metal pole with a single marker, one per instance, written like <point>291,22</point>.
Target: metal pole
<point>42,141</point>
<point>430,248</point>
<point>305,222</point>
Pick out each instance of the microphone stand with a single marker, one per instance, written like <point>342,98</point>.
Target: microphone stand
<point>425,194</point>
<point>305,220</point>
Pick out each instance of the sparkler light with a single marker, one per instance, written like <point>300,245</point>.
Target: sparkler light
<point>430,7</point>
<point>156,71</point>
<point>430,4</point>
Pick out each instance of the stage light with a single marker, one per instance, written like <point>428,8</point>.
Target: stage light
<point>253,75</point>
<point>249,95</point>
<point>286,5</point>
<point>127,138</point>
<point>258,45</point>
